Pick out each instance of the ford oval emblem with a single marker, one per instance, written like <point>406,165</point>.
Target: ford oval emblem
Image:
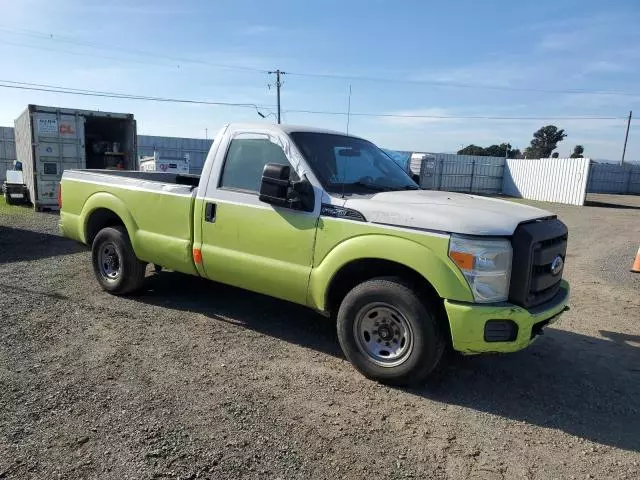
<point>556,265</point>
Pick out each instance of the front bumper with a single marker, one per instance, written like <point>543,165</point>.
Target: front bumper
<point>468,322</point>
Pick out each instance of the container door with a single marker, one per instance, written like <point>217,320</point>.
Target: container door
<point>131,148</point>
<point>59,145</point>
<point>7,151</point>
<point>429,173</point>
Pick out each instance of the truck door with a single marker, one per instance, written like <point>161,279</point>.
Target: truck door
<point>248,243</point>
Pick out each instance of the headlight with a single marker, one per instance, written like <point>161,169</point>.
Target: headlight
<point>486,264</point>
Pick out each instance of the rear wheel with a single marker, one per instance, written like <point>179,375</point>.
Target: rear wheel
<point>115,264</point>
<point>388,333</point>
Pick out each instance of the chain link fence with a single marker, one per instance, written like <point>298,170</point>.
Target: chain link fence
<point>604,178</point>
<point>462,173</point>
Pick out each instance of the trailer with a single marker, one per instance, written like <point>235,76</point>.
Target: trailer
<point>156,163</point>
<point>50,140</point>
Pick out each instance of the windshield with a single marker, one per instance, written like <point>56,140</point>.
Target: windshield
<point>351,164</point>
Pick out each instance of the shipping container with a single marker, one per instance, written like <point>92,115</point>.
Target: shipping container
<point>7,151</point>
<point>194,149</point>
<point>50,139</point>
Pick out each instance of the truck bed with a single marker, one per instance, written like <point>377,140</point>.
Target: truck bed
<point>155,207</point>
<point>189,179</point>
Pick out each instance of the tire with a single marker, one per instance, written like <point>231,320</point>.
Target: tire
<point>405,344</point>
<point>7,198</point>
<point>115,264</point>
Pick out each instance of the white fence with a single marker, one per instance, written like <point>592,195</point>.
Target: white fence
<point>562,180</point>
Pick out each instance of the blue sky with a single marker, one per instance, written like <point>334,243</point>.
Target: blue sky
<point>505,45</point>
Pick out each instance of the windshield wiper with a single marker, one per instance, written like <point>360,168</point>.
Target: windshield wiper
<point>373,186</point>
<point>383,188</point>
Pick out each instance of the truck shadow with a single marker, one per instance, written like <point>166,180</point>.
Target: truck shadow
<point>594,203</point>
<point>585,386</point>
<point>18,245</point>
<point>269,316</point>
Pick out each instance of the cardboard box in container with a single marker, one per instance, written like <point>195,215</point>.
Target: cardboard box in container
<point>50,140</point>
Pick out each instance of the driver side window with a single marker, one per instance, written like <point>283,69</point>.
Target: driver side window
<point>245,161</point>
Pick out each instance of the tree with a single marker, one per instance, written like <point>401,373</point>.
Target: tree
<point>578,150</point>
<point>502,150</point>
<point>472,150</point>
<point>555,155</point>
<point>515,153</point>
<point>545,141</point>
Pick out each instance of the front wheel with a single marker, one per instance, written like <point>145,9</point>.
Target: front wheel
<point>388,333</point>
<point>115,264</point>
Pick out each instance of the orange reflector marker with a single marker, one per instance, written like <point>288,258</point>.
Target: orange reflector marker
<point>462,260</point>
<point>197,256</point>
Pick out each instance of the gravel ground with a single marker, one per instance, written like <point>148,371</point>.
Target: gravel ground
<point>197,380</point>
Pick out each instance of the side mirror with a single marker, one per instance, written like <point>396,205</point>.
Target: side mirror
<point>277,189</point>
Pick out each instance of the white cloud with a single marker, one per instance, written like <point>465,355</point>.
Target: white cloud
<point>251,30</point>
<point>604,66</point>
<point>562,41</point>
<point>611,104</point>
<point>601,138</point>
<point>494,73</point>
<point>418,117</point>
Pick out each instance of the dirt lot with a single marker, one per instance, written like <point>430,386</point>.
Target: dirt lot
<point>198,380</point>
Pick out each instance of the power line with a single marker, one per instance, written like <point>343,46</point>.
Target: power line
<point>453,117</point>
<point>434,83</point>
<point>130,51</point>
<point>79,54</point>
<point>99,93</point>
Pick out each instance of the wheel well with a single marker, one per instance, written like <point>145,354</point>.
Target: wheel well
<point>99,219</point>
<point>359,271</point>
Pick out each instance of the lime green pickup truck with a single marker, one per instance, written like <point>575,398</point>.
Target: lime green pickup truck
<point>329,221</point>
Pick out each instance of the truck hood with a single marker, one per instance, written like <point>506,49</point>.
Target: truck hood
<point>445,212</point>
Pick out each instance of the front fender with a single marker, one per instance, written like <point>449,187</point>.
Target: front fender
<point>431,262</point>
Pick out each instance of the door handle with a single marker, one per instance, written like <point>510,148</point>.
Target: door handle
<point>210,212</point>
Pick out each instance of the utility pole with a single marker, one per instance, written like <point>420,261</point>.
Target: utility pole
<point>626,137</point>
<point>349,109</point>
<point>206,134</point>
<point>278,85</point>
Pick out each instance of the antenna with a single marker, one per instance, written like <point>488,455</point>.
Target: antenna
<point>344,170</point>
<point>348,109</point>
